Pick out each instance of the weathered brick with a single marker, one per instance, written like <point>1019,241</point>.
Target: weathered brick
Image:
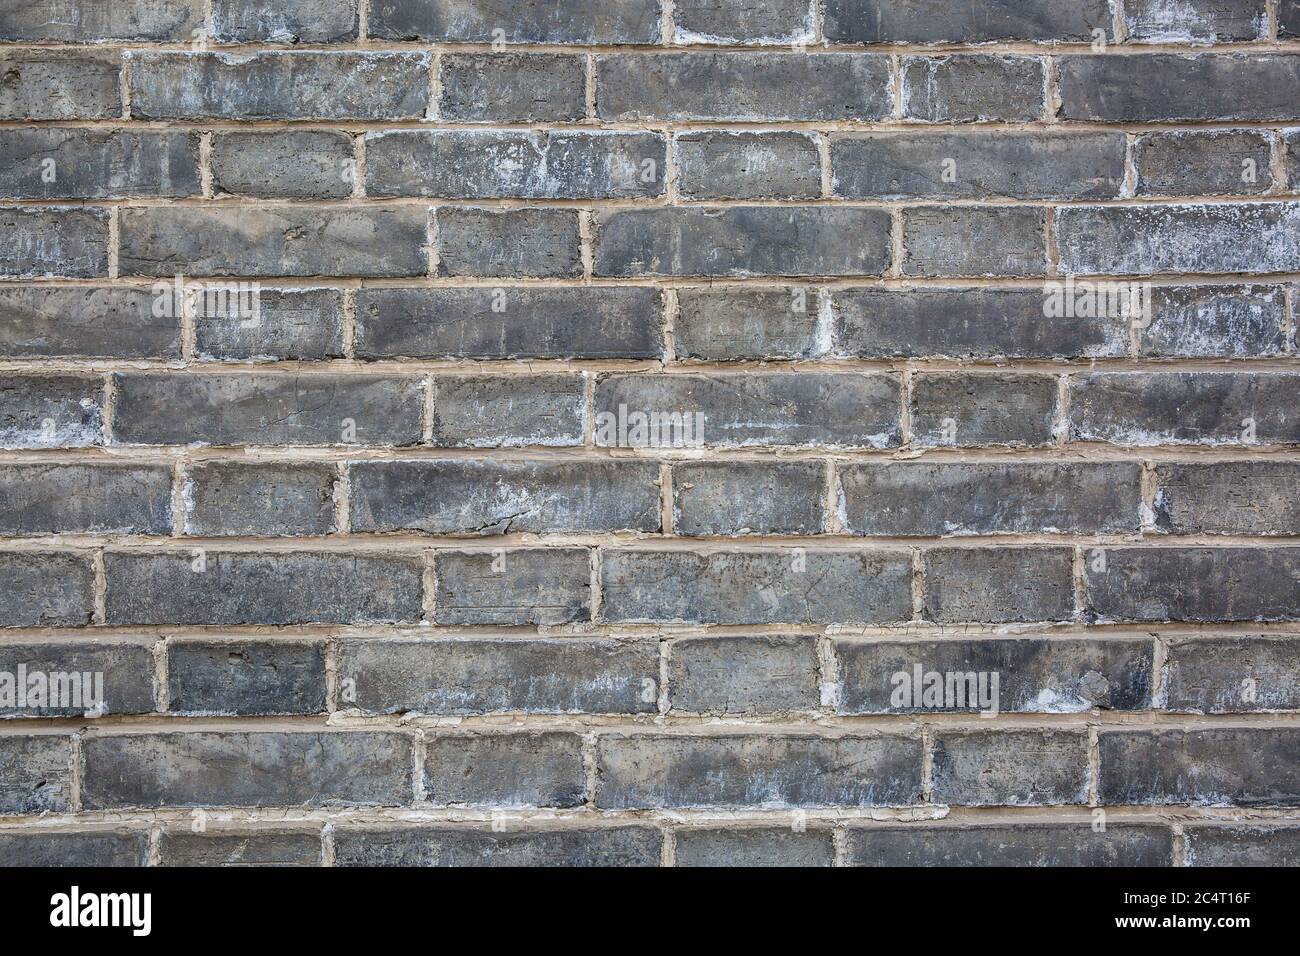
<point>722,324</point>
<point>245,678</point>
<point>515,164</point>
<point>1288,18</point>
<point>85,499</point>
<point>246,588</point>
<point>45,589</point>
<point>504,770</point>
<point>266,408</point>
<point>1242,846</point>
<point>247,769</point>
<point>1291,143</point>
<point>1213,321</point>
<point>744,675</point>
<point>963,409</point>
<point>540,586</point>
<point>49,241</point>
<point>1034,675</point>
<point>756,587</point>
<point>999,584</point>
<point>297,164</point>
<point>97,848</point>
<point>723,164</point>
<point>452,845</point>
<point>1010,768</point>
<point>63,411</point>
<point>286,324</point>
<point>653,771</point>
<point>977,165</point>
<point>84,322</point>
<point>483,675</point>
<point>1230,497</point>
<point>974,241</point>
<point>972,88</point>
<point>1204,21</point>
<point>750,408</point>
<point>1203,163</point>
<point>46,163</point>
<point>536,243</point>
<point>932,21</point>
<point>282,86</point>
<point>91,21</point>
<point>1237,766</point>
<point>286,21</point>
<point>743,241</point>
<point>1168,87</point>
<point>1231,675</point>
<point>525,21</point>
<point>254,848</point>
<point>492,411</point>
<point>742,86</point>
<point>753,846</point>
<point>720,21</point>
<point>465,496</point>
<point>1023,845</point>
<point>35,773</point>
<point>76,678</point>
<point>273,241</point>
<point>265,498</point>
<point>1193,584</point>
<point>741,497</point>
<point>57,85</point>
<point>506,323</point>
<point>512,87</point>
<point>1184,408</point>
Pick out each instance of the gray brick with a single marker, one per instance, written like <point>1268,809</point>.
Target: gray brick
<point>744,675</point>
<point>289,324</point>
<point>297,164</point>
<point>1213,321</point>
<point>752,846</point>
<point>1169,87</point>
<point>1203,163</point>
<point>84,322</point>
<point>97,848</point>
<point>221,678</point>
<point>1184,408</point>
<point>517,411</point>
<point>504,770</point>
<point>85,499</point>
<point>982,165</point>
<point>45,589</point>
<point>1206,21</point>
<point>722,324</point>
<point>50,241</point>
<point>503,164</point>
<point>654,771</point>
<point>1232,675</point>
<point>482,675</point>
<point>723,164</point>
<point>756,587</point>
<point>479,497</point>
<point>1010,768</point>
<point>1242,497</point>
<point>974,241</point>
<point>100,677</point>
<point>247,769</point>
<point>274,241</point>
<point>525,21</point>
<point>972,88</point>
<point>740,497</point>
<point>743,241</point>
<point>932,21</point>
<point>745,409</point>
<point>1238,766</point>
<point>57,85</point>
<point>283,86</point>
<point>1291,146</point>
<point>63,411</point>
<point>254,848</point>
<point>1034,675</point>
<point>963,409</point>
<point>1193,584</point>
<point>506,322</point>
<point>271,589</point>
<point>999,585</point>
<point>35,774</point>
<point>97,164</point>
<point>974,498</point>
<point>518,587</point>
<point>287,21</point>
<point>537,243</point>
<point>265,498</point>
<point>512,87</point>
<point>1043,845</point>
<point>90,21</point>
<point>1242,846</point>
<point>742,86</point>
<point>469,846</point>
<point>720,21</point>
<point>266,408</point>
<point>1288,17</point>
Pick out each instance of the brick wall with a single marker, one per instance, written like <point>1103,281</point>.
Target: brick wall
<point>390,569</point>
